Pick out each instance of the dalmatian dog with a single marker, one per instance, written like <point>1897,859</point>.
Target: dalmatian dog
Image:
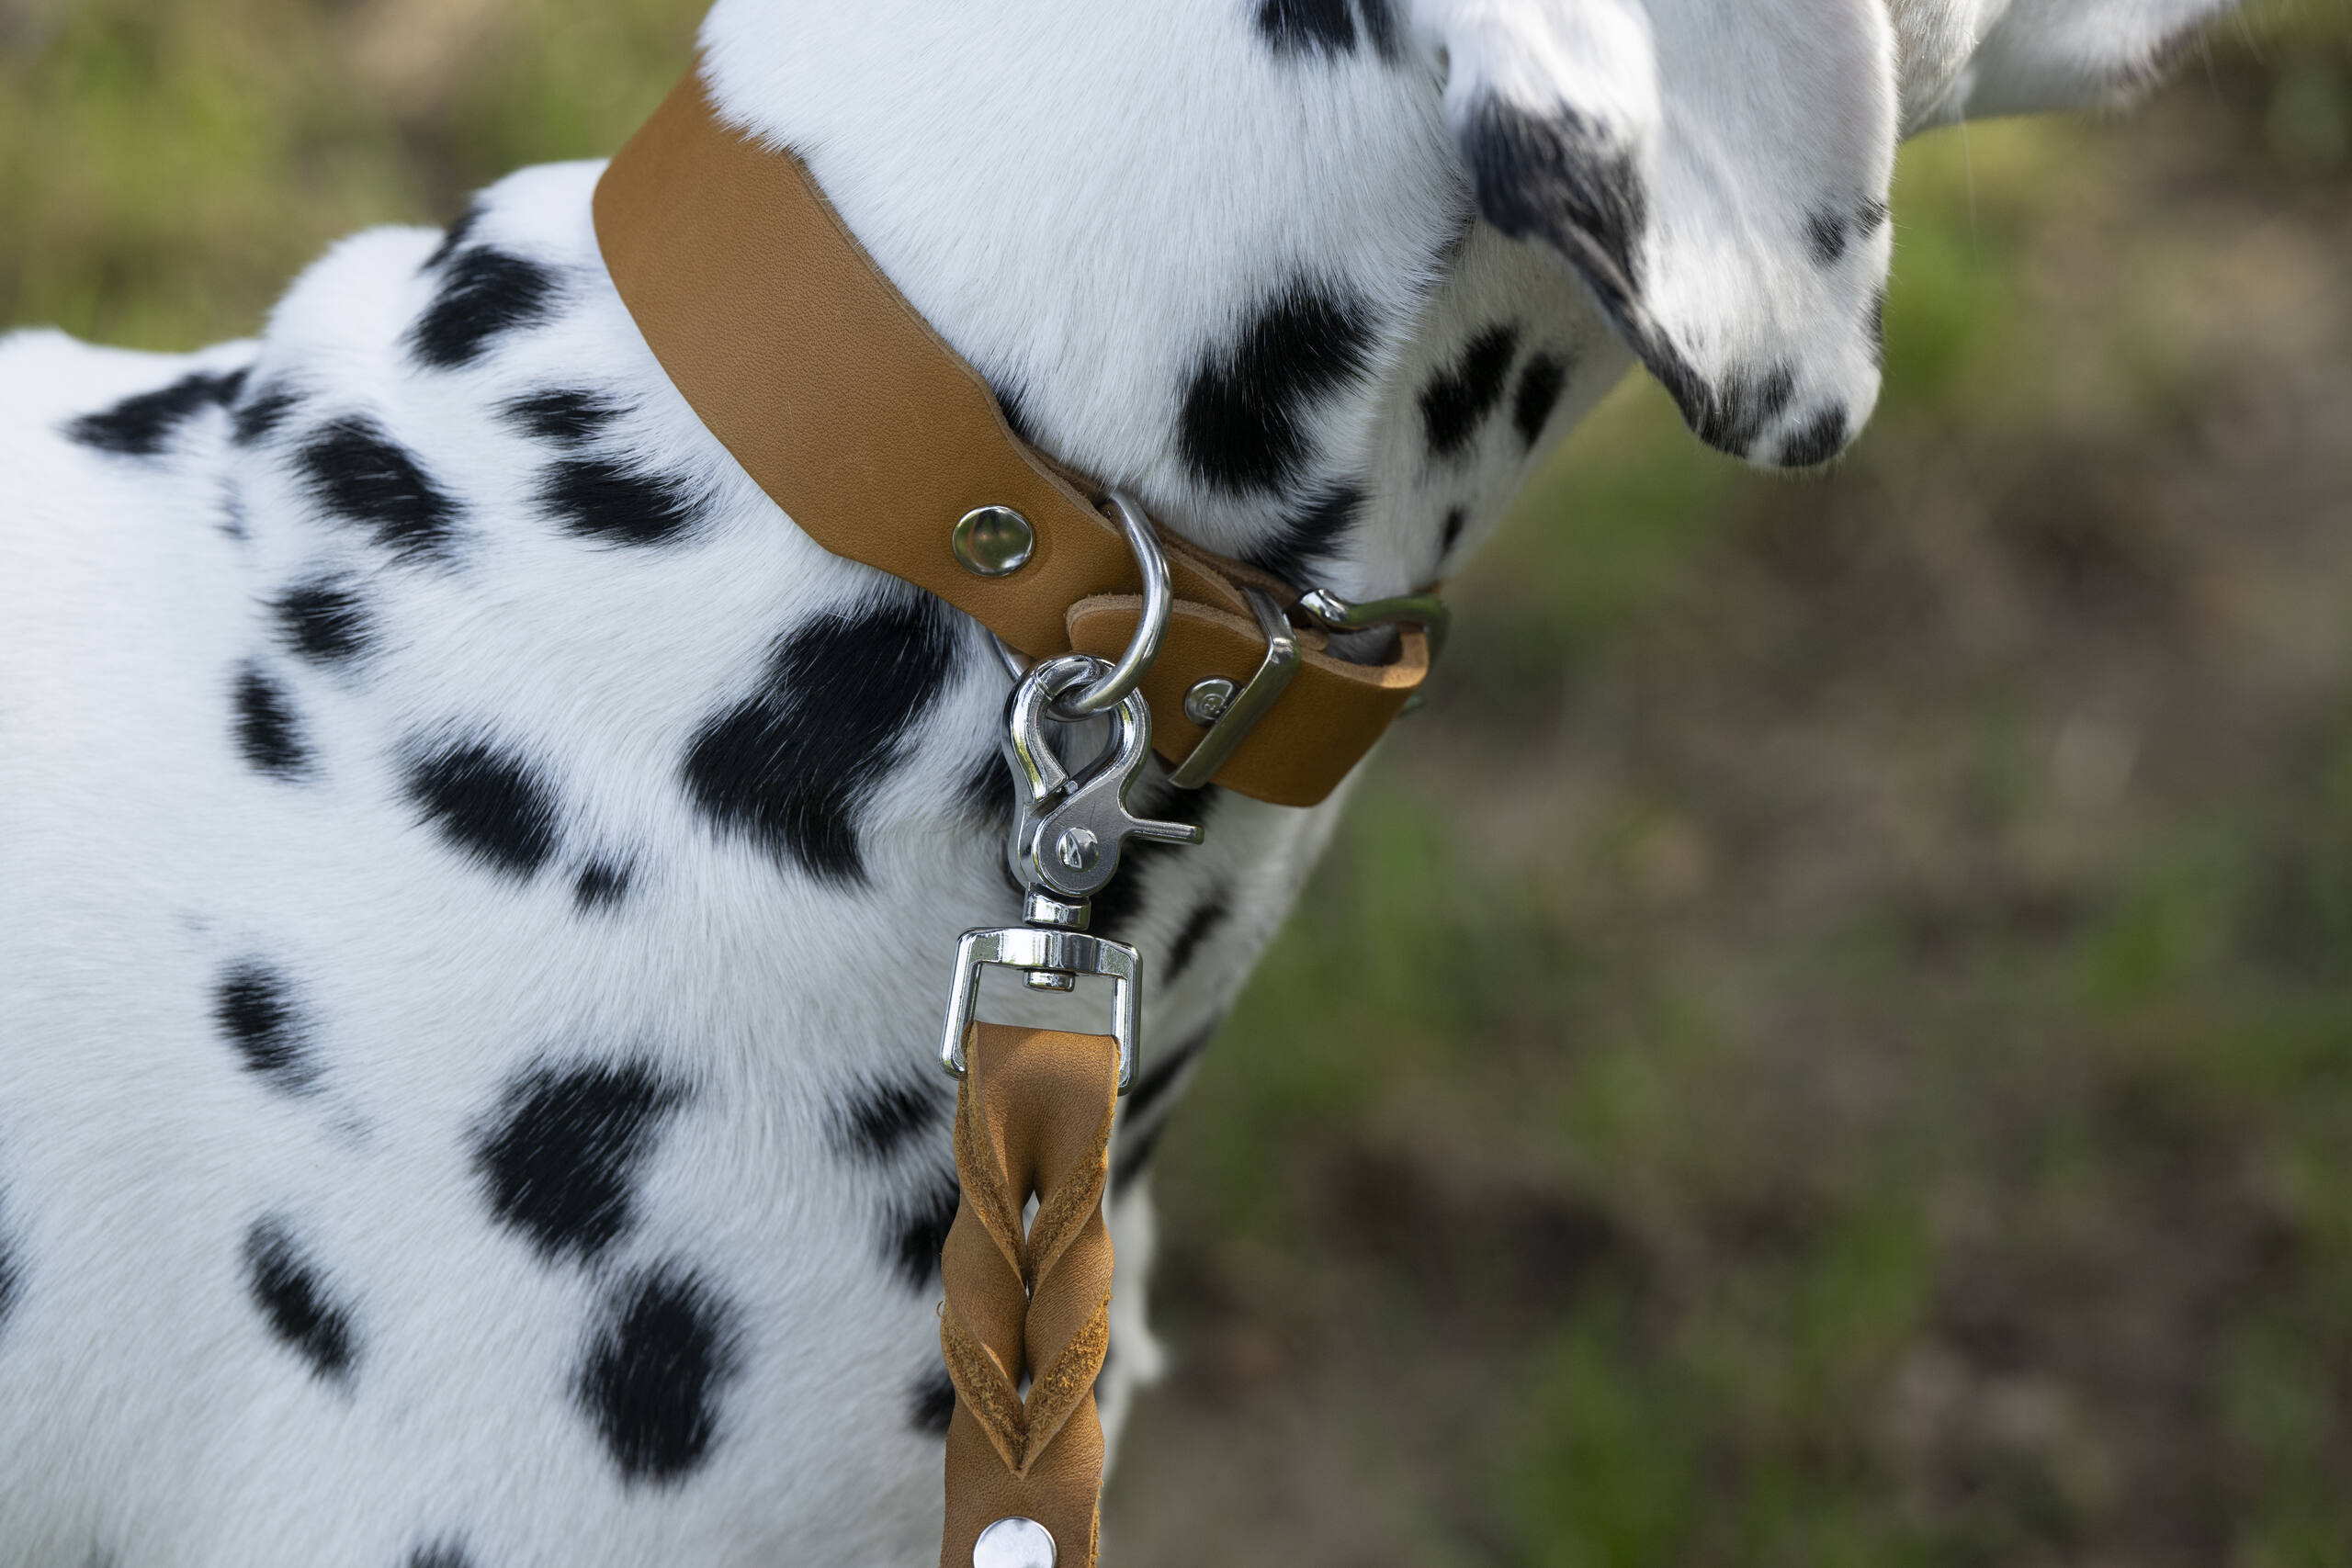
<point>477,883</point>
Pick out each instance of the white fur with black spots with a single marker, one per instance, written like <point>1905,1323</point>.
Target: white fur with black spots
<point>478,881</point>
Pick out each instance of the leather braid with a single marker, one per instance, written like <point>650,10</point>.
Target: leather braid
<point>1032,1118</point>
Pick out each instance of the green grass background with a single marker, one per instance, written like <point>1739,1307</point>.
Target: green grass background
<point>1831,1043</point>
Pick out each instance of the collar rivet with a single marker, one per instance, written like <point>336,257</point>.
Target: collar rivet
<point>993,541</point>
<point>1207,703</point>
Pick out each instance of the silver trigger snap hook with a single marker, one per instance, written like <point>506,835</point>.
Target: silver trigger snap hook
<point>1067,840</point>
<point>1071,829</point>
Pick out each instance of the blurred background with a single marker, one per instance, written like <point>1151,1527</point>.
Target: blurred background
<point>1831,1043</point>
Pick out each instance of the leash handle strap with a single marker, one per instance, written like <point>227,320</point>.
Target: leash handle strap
<point>1033,1119</point>
<point>876,439</point>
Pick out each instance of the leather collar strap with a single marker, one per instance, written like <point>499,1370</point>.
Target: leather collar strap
<point>876,439</point>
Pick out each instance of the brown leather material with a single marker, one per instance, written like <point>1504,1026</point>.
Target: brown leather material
<point>1033,1119</point>
<point>875,436</point>
<point>1333,710</point>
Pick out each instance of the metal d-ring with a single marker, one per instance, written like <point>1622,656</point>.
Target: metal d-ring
<point>1158,600</point>
<point>1046,953</point>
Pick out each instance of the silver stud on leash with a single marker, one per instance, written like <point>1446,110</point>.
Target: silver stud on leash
<point>1014,1542</point>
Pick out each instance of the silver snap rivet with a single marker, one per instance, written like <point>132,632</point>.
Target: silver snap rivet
<point>1207,703</point>
<point>993,541</point>
<point>1077,849</point>
<point>1015,1543</point>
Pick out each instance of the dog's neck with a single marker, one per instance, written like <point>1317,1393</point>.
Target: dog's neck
<point>1222,279</point>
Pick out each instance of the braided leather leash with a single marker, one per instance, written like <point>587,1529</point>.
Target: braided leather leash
<point>1033,1119</point>
<point>1026,1321</point>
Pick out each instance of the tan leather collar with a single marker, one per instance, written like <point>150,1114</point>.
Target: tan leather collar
<point>876,439</point>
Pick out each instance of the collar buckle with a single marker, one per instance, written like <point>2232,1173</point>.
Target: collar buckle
<point>1232,714</point>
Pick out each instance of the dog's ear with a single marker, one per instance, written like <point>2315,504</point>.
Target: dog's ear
<point>1715,170</point>
<point>1978,58</point>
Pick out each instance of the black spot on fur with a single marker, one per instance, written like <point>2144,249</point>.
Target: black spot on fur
<point>1199,926</point>
<point>791,766</point>
<point>259,416</point>
<point>1327,30</point>
<point>1450,534</point>
<point>919,1227</point>
<point>1825,231</point>
<point>1736,411</point>
<point>1310,531</point>
<point>600,499</point>
<point>565,416</point>
<point>232,512</point>
<point>931,1404</point>
<point>1135,1150</point>
<point>1555,179</point>
<point>1690,391</point>
<point>1308,27</point>
<point>360,474</point>
<point>256,1008</point>
<point>296,1301</point>
<point>143,425</point>
<point>1819,439</point>
<point>1828,230</point>
<point>1540,386</point>
<point>1458,399</point>
<point>601,884</point>
<point>563,1151</point>
<point>443,1553</point>
<point>484,295</point>
<point>1381,26</point>
<point>654,1373</point>
<point>455,237</point>
<point>1159,1075</point>
<point>269,734</point>
<point>880,1119</point>
<point>986,795</point>
<point>1243,426</point>
<point>12,1272</point>
<point>489,802</point>
<point>325,622</point>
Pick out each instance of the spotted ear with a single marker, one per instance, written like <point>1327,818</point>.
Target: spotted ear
<point>1964,59</point>
<point>1715,171</point>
